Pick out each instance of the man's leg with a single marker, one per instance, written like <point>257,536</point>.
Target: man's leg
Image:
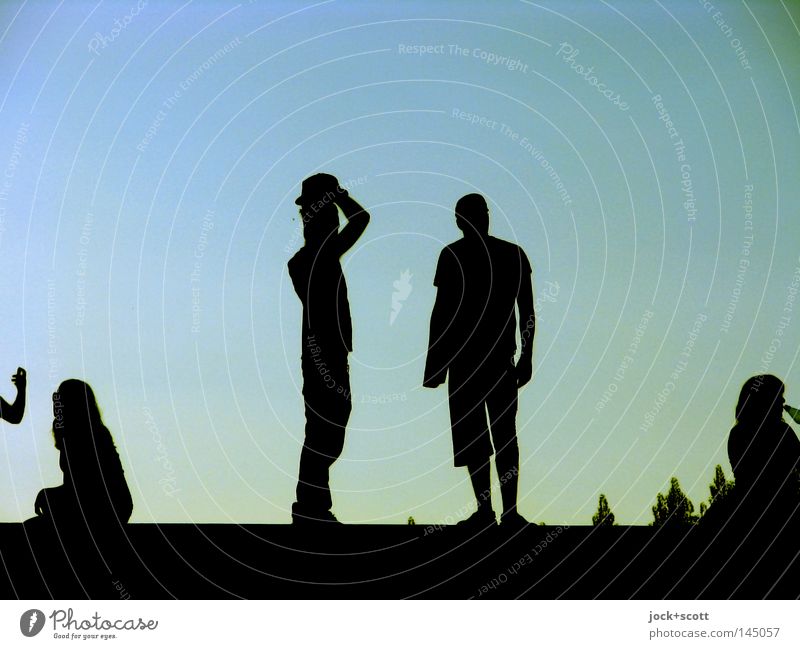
<point>508,472</point>
<point>313,493</point>
<point>480,475</point>
<point>502,406</point>
<point>328,406</point>
<point>472,446</point>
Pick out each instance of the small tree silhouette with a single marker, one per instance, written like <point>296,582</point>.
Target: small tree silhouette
<point>604,517</point>
<point>720,489</point>
<point>674,510</point>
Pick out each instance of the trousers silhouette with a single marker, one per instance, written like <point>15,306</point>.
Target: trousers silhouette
<point>326,392</point>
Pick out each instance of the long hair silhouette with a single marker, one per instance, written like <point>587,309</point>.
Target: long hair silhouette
<point>94,486</point>
<point>764,451</point>
<point>760,400</point>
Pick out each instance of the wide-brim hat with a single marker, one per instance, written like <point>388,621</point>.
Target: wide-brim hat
<point>316,187</point>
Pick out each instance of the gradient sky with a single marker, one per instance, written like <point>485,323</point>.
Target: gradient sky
<point>147,215</point>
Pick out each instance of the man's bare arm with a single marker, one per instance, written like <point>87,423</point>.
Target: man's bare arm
<point>527,328</point>
<point>436,360</point>
<point>13,412</point>
<point>357,221</point>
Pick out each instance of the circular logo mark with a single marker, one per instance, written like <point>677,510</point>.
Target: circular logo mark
<point>31,622</point>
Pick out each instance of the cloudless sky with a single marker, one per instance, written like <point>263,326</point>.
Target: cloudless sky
<point>150,154</point>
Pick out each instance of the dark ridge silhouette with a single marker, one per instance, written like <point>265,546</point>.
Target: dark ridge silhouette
<point>81,521</point>
<point>413,561</point>
<point>327,337</point>
<point>480,279</point>
<point>13,412</point>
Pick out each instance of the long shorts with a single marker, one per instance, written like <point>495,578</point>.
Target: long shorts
<point>483,410</point>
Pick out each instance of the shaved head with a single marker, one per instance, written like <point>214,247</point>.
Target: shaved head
<point>472,214</point>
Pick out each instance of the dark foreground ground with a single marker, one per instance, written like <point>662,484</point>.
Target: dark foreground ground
<point>158,561</point>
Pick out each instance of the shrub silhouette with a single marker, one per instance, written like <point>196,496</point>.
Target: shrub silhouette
<point>604,517</point>
<point>720,489</point>
<point>674,509</point>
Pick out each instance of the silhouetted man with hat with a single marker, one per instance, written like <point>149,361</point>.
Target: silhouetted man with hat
<point>472,345</point>
<point>327,337</point>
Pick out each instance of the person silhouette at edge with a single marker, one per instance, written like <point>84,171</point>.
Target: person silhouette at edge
<point>327,337</point>
<point>472,345</point>
<point>13,412</point>
<point>764,453</point>
<point>94,493</point>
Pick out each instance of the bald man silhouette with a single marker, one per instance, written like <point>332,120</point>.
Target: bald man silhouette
<point>480,279</point>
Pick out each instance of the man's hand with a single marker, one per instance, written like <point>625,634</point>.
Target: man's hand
<point>332,185</point>
<point>434,381</point>
<point>20,379</point>
<point>341,193</point>
<point>435,370</point>
<point>40,505</point>
<point>357,219</point>
<point>13,412</point>
<point>327,182</point>
<point>524,370</point>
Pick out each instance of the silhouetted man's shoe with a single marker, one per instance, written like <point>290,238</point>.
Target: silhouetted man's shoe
<point>482,519</point>
<point>315,518</point>
<point>513,521</point>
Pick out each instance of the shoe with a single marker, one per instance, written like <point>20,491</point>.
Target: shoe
<point>309,518</point>
<point>513,521</point>
<point>481,520</point>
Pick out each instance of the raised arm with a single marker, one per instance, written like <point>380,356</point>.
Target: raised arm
<point>12,413</point>
<point>527,328</point>
<point>357,220</point>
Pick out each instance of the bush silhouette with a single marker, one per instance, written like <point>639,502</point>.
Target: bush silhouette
<point>604,517</point>
<point>673,510</point>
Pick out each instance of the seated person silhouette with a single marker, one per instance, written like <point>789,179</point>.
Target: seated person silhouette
<point>94,493</point>
<point>13,412</point>
<point>472,345</point>
<point>764,453</point>
<point>316,274</point>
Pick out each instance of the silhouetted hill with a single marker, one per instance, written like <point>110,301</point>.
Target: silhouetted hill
<point>371,561</point>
